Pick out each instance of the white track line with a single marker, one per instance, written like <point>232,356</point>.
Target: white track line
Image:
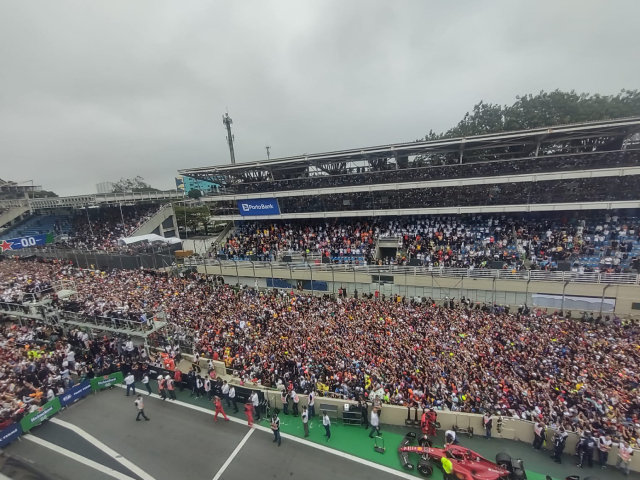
<point>323,448</point>
<point>109,451</point>
<point>78,458</point>
<point>233,455</point>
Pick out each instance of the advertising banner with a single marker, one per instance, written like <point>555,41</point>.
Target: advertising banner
<point>43,413</point>
<point>259,207</point>
<point>10,434</point>
<point>106,381</point>
<point>25,242</point>
<point>76,393</point>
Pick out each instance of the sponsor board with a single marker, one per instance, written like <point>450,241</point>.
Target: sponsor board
<point>43,413</point>
<point>258,207</point>
<point>76,393</point>
<point>10,434</point>
<point>100,383</point>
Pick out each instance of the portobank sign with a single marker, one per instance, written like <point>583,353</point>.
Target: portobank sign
<point>258,207</point>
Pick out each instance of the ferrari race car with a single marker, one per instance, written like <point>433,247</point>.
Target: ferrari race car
<point>467,465</point>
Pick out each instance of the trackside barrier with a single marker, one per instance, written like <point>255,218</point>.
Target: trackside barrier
<point>106,381</point>
<point>10,434</point>
<point>49,409</point>
<point>43,413</point>
<point>75,393</point>
<point>513,428</point>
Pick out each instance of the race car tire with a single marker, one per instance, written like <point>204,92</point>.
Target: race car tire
<point>504,460</point>
<point>425,467</point>
<point>425,442</point>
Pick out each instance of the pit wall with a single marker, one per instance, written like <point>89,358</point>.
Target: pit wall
<point>509,292</point>
<point>513,429</point>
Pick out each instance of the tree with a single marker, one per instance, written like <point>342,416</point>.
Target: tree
<point>196,218</point>
<point>194,193</point>
<point>137,184</point>
<point>543,110</point>
<point>43,194</point>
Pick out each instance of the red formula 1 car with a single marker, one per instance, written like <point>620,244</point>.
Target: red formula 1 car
<point>467,465</point>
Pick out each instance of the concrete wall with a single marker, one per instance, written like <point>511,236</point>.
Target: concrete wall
<point>156,222</point>
<point>10,217</point>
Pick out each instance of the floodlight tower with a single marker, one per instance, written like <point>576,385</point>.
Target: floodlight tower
<point>268,148</point>
<point>226,120</point>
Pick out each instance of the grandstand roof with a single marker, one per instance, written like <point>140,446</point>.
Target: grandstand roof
<point>605,128</point>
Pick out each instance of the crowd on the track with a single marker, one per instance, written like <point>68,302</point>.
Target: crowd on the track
<point>102,228</point>
<point>470,241</point>
<point>524,363</point>
<point>388,173</point>
<point>38,363</point>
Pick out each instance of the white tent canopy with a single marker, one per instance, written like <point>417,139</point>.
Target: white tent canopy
<point>151,238</point>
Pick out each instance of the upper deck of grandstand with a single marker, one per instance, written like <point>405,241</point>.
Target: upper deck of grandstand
<point>577,145</point>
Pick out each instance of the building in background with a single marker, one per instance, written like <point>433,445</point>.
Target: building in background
<point>186,184</point>
<point>105,187</point>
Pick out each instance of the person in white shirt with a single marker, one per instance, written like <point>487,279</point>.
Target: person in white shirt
<point>296,399</point>
<point>312,403</point>
<point>451,438</point>
<point>225,392</point>
<point>145,382</point>
<point>232,397</point>
<point>140,406</point>
<point>305,420</point>
<point>625,452</point>
<point>129,348</point>
<point>256,404</point>
<point>604,445</point>
<point>130,381</point>
<point>375,423</point>
<point>326,423</point>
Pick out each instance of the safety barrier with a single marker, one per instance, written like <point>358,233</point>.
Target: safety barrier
<point>12,432</point>
<point>512,428</point>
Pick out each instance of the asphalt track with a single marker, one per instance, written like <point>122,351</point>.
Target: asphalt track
<point>99,439</point>
<point>176,443</point>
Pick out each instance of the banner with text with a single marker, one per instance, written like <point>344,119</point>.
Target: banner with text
<point>76,393</point>
<point>10,434</point>
<point>25,242</point>
<point>258,207</point>
<point>43,413</point>
<point>106,381</point>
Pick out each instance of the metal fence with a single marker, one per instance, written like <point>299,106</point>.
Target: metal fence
<point>261,269</point>
<point>164,258</point>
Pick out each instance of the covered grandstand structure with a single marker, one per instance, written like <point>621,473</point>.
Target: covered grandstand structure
<point>608,135</point>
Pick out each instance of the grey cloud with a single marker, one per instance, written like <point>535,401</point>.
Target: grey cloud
<point>93,91</point>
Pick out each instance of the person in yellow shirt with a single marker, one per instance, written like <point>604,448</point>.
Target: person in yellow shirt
<point>447,467</point>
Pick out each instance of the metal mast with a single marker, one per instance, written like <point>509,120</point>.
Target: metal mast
<point>268,148</point>
<point>226,120</point>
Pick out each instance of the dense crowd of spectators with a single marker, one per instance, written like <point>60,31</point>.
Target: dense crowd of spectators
<point>462,241</point>
<point>358,175</point>
<point>462,357</point>
<point>560,191</point>
<point>102,228</point>
<point>38,363</point>
<point>270,241</point>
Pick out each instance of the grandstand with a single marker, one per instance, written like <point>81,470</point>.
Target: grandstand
<point>93,222</point>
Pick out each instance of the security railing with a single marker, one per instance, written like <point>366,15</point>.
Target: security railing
<point>505,274</point>
<point>162,258</point>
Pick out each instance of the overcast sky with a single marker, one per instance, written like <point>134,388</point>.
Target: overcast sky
<point>94,91</point>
